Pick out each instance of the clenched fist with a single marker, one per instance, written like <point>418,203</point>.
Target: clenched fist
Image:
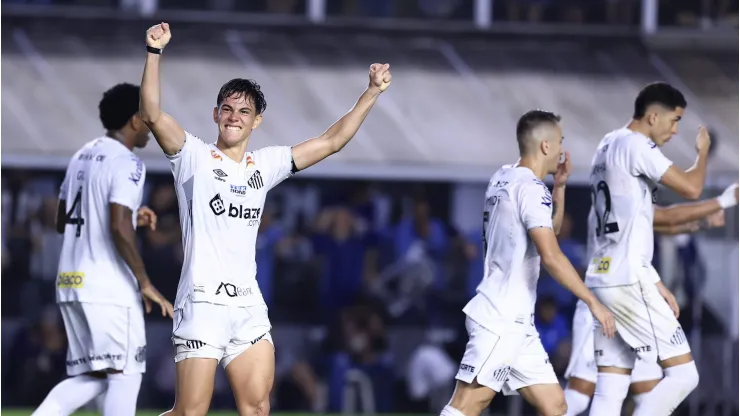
<point>703,141</point>
<point>158,36</point>
<point>380,76</point>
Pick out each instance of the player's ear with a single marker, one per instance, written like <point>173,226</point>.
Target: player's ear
<point>215,115</point>
<point>545,147</point>
<point>257,121</point>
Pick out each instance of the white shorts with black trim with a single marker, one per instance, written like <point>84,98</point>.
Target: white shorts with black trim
<point>207,330</point>
<point>645,324</point>
<point>104,337</point>
<point>506,362</point>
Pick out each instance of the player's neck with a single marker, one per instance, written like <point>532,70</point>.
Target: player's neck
<point>236,152</point>
<point>531,163</point>
<point>638,127</point>
<point>120,137</point>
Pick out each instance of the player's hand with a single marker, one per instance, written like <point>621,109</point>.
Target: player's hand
<point>703,140</point>
<point>380,76</point>
<point>668,296</point>
<point>151,295</point>
<point>146,217</point>
<point>605,318</point>
<point>564,169</point>
<point>716,220</point>
<point>158,36</point>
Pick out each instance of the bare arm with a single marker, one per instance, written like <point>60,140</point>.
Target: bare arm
<point>124,238</point>
<point>165,128</point>
<point>61,216</point>
<point>558,266</point>
<point>687,228</point>
<point>558,207</point>
<point>312,151</point>
<point>680,214</point>
<point>689,184</point>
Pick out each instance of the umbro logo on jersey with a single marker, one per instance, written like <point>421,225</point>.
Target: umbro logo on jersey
<point>255,182</point>
<point>219,175</point>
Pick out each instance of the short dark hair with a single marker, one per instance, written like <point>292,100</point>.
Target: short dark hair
<point>243,87</point>
<point>530,121</point>
<point>118,105</point>
<point>658,93</point>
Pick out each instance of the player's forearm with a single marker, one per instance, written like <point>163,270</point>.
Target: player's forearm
<point>124,238</point>
<point>688,228</point>
<point>558,207</point>
<point>560,268</point>
<point>680,214</point>
<point>697,173</point>
<point>341,132</point>
<point>149,104</point>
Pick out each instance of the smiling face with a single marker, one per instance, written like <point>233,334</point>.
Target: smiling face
<point>236,117</point>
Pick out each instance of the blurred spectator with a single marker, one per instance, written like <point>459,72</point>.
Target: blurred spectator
<point>296,275</point>
<point>46,248</point>
<point>420,232</point>
<point>161,247</point>
<point>575,251</point>
<point>363,370</point>
<point>431,376</point>
<point>37,360</point>
<point>268,237</point>
<point>348,258</point>
<point>554,330</point>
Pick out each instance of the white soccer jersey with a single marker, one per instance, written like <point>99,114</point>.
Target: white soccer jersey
<point>221,204</point>
<point>625,172</point>
<point>516,201</point>
<point>103,172</point>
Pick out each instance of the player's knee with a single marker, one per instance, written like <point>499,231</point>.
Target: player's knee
<point>685,374</point>
<point>471,399</point>
<point>259,407</point>
<point>555,406</point>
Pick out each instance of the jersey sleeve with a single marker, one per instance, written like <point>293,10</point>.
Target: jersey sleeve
<point>127,182</point>
<point>275,164</point>
<point>535,205</point>
<point>646,159</point>
<point>185,162</point>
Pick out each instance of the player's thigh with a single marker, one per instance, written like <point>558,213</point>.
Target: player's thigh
<point>657,330</point>
<point>249,359</point>
<point>200,335</point>
<point>251,376</point>
<point>533,377</point>
<point>194,385</point>
<point>646,374</point>
<point>484,367</point>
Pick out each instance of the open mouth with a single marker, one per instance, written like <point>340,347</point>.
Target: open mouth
<point>233,128</point>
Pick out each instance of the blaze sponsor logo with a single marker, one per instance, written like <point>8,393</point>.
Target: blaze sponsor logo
<point>71,280</point>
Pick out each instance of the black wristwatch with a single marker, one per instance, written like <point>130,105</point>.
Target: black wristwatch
<point>156,51</point>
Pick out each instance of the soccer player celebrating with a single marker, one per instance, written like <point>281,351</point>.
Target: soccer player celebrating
<point>520,221</point>
<point>100,264</point>
<point>625,171</point>
<point>581,372</point>
<point>220,315</point>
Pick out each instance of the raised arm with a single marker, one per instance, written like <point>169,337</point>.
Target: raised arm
<point>165,128</point>
<point>680,214</point>
<point>689,184</point>
<point>312,151</point>
<point>558,192</point>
